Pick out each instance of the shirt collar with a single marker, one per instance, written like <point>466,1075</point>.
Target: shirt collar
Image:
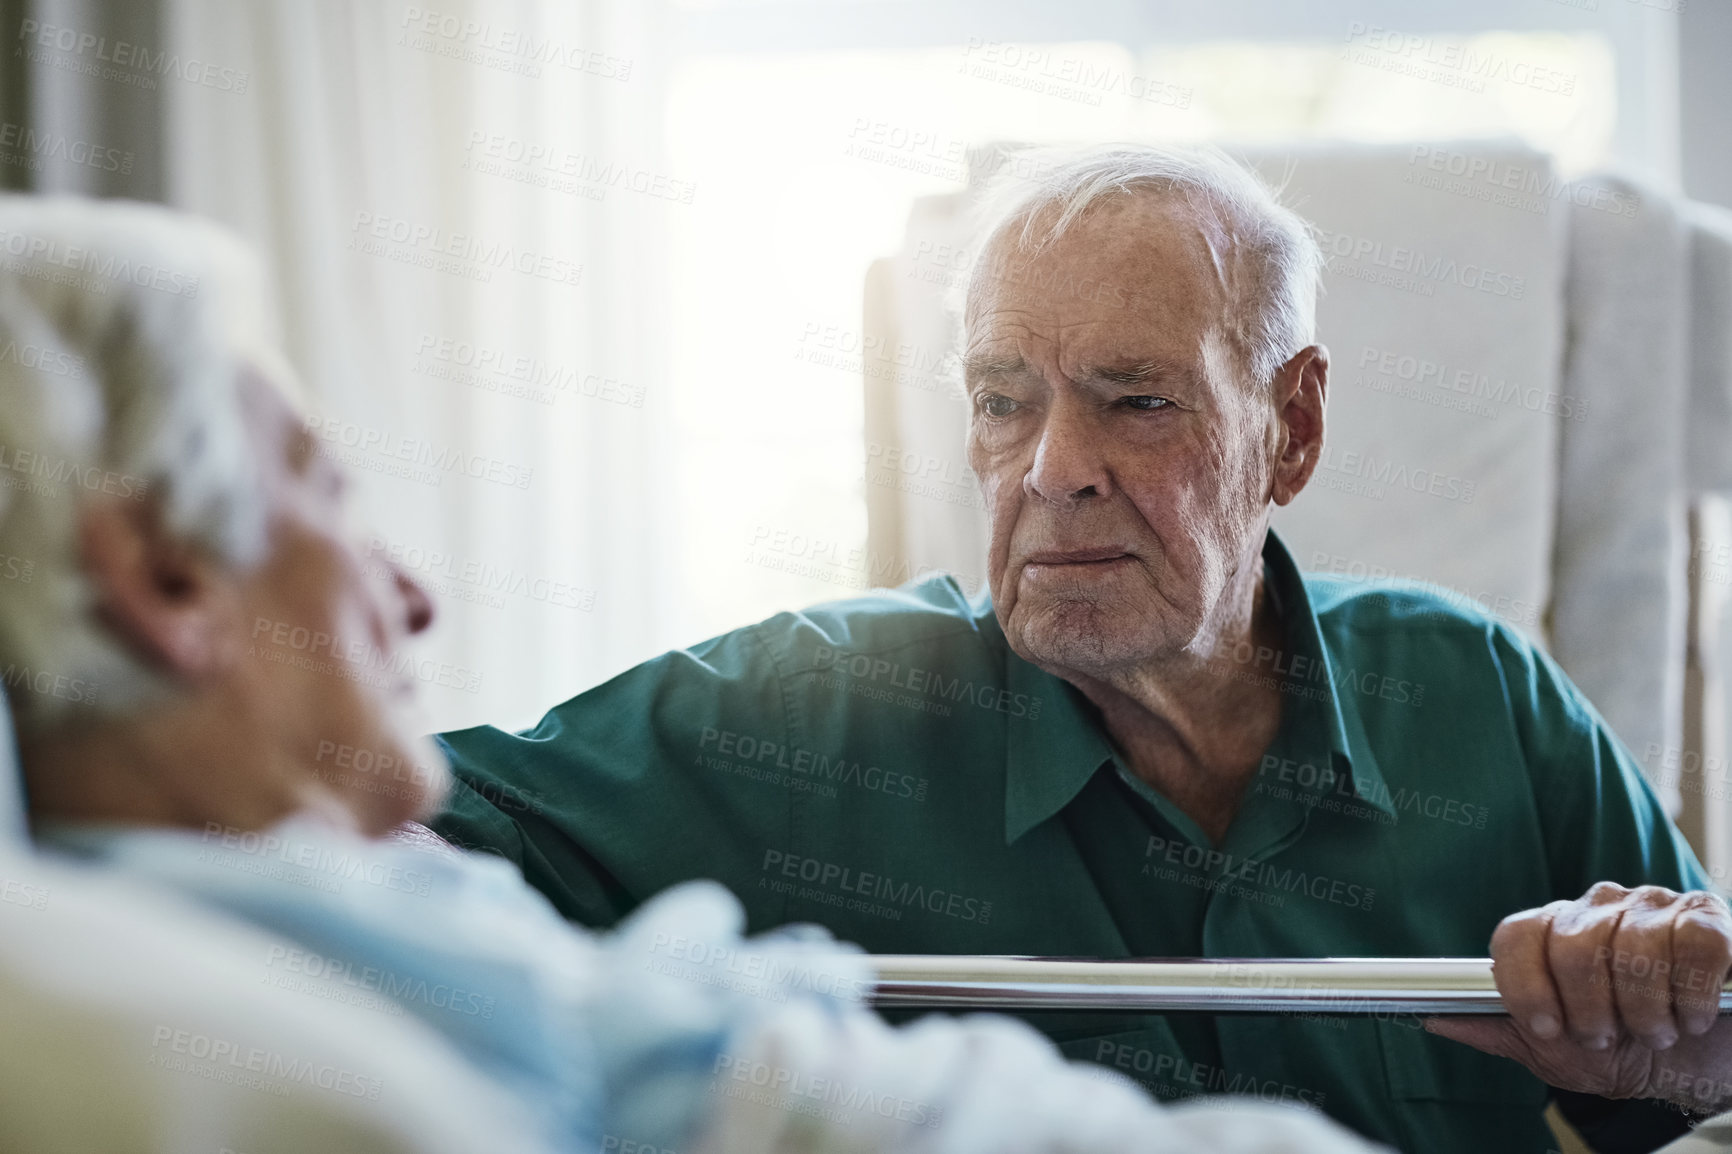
<point>1332,687</point>
<point>1057,745</point>
<point>1053,749</point>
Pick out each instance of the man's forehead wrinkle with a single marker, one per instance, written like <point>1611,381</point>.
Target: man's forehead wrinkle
<point>1093,348</point>
<point>1215,240</point>
<point>1007,329</point>
<point>1134,372</point>
<point>990,364</point>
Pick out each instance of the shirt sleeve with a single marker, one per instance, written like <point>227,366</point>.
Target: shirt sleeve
<point>583,802</point>
<point>1600,817</point>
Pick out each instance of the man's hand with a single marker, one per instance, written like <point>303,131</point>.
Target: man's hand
<point>1615,994</point>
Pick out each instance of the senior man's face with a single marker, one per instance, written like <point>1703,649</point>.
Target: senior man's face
<point>1125,464</point>
<point>334,705</point>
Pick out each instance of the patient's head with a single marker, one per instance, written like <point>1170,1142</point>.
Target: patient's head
<point>190,631</point>
<point>1143,388</point>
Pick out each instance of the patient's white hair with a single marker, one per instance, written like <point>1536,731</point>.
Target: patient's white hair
<point>1271,261</point>
<point>123,330</point>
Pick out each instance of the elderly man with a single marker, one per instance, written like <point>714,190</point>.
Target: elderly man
<point>1154,737</point>
<point>186,540</point>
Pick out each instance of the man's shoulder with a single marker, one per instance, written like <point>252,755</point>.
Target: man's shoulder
<point>1398,606</point>
<point>1402,622</point>
<point>934,612</point>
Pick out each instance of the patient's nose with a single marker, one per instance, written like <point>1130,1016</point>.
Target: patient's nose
<point>417,606</point>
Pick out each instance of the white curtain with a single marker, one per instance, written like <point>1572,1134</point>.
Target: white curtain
<point>426,182</point>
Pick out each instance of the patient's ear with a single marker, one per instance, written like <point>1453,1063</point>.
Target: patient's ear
<point>166,600</point>
<point>1301,388</point>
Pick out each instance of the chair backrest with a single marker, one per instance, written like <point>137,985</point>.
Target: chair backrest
<point>1443,314</point>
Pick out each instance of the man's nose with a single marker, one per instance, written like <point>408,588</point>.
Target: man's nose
<point>1068,462</point>
<point>417,606</point>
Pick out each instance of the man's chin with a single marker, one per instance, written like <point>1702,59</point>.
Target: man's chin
<point>1076,637</point>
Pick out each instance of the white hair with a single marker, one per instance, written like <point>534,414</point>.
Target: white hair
<point>1271,261</point>
<point>123,331</point>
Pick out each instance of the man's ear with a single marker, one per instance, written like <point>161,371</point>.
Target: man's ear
<point>164,599</point>
<point>1301,389</point>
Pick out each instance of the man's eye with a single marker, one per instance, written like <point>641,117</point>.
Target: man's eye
<point>997,405</point>
<point>1147,404</point>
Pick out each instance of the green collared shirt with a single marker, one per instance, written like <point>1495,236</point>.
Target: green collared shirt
<point>886,766</point>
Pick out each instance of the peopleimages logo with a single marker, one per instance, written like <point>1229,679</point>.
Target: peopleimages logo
<point>930,682</point>
<point>30,356</point>
<point>465,39</point>
<point>335,435</point>
<point>374,980</point>
<point>1528,187</point>
<point>1424,268</point>
<point>39,145</point>
<point>1213,869</point>
<point>354,659</point>
<point>1454,64</point>
<point>1377,475</point>
<point>272,855</point>
<point>563,170</point>
<point>761,758</point>
<point>122,60</point>
<point>433,247</point>
<point>1442,378</point>
<point>221,1060</point>
<point>539,380</point>
<point>825,879</point>
<point>435,565</point>
<point>17,893</point>
<point>803,1093</point>
<point>79,259</point>
<point>59,470</point>
<point>48,683</point>
<point>1171,1076</point>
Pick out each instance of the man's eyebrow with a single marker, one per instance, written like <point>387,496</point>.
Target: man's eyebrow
<point>1136,372</point>
<point>986,365</point>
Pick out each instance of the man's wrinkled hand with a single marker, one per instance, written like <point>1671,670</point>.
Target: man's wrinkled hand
<point>1615,994</point>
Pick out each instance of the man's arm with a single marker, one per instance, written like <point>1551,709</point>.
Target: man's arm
<point>1600,821</point>
<point>614,796</point>
<point>1600,818</point>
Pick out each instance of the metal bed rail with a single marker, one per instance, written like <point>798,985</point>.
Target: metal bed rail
<point>1376,986</point>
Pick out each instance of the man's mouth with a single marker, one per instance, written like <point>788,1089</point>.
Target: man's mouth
<point>1065,566</point>
<point>1077,557</point>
